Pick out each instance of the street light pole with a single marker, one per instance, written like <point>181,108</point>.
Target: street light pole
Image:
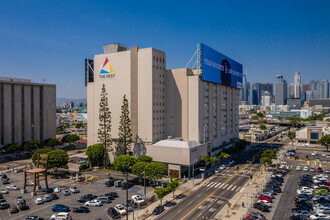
<point>145,189</point>
<point>126,196</point>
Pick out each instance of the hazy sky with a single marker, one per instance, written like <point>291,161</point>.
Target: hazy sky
<point>50,39</point>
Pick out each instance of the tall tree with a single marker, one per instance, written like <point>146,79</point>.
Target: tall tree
<point>104,131</point>
<point>291,135</point>
<point>125,132</point>
<point>161,192</point>
<point>173,185</point>
<point>325,141</point>
<point>206,158</point>
<point>58,159</point>
<point>95,153</point>
<point>51,142</point>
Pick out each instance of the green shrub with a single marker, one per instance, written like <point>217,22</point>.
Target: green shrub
<point>80,147</point>
<point>90,169</point>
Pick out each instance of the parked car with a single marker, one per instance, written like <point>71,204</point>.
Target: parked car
<point>298,168</point>
<point>20,199</point>
<point>138,199</point>
<point>270,195</point>
<point>66,192</point>
<point>22,206</point>
<point>265,202</point>
<point>13,210</point>
<point>123,185</point>
<point>158,210</point>
<point>120,208</point>
<point>61,216</point>
<point>13,187</point>
<point>57,189</point>
<point>261,206</point>
<point>93,203</point>
<point>302,213</point>
<point>319,216</point>
<point>38,201</point>
<point>46,198</point>
<point>3,191</point>
<point>4,204</point>
<point>320,170</point>
<point>128,208</point>
<point>80,209</point>
<point>81,179</point>
<point>321,200</point>
<point>74,189</point>
<point>104,199</point>
<point>112,212</point>
<point>305,168</point>
<point>33,218</point>
<point>109,183</point>
<point>60,208</point>
<point>265,198</point>
<point>324,210</point>
<point>53,196</point>
<point>321,191</point>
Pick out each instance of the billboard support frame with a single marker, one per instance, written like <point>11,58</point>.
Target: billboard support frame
<point>197,63</point>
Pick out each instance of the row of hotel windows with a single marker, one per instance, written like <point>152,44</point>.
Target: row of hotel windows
<point>161,60</point>
<point>160,68</point>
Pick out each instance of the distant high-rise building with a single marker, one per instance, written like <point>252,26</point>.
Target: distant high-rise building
<point>244,92</point>
<point>297,85</point>
<point>291,91</point>
<point>266,99</point>
<point>313,88</point>
<point>309,95</point>
<point>323,89</point>
<point>259,90</point>
<point>281,88</point>
<point>305,87</point>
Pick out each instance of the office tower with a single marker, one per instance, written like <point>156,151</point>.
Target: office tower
<point>244,91</point>
<point>309,95</point>
<point>260,89</point>
<point>297,85</point>
<point>248,89</point>
<point>323,89</point>
<point>27,111</point>
<point>291,91</point>
<point>313,87</point>
<point>281,90</point>
<point>266,99</point>
<point>305,87</point>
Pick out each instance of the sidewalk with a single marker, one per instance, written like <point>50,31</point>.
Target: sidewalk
<point>186,188</point>
<point>246,196</point>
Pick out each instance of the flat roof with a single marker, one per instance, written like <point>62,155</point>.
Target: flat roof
<point>177,143</point>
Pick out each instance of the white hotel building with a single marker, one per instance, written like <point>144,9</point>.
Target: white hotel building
<point>176,114</point>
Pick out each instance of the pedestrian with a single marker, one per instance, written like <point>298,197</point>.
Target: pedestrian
<point>243,204</point>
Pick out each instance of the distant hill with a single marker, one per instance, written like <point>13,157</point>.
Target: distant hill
<point>59,101</point>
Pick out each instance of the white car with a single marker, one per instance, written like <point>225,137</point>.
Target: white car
<point>3,191</point>
<point>138,199</point>
<point>314,153</point>
<point>61,216</point>
<point>13,187</point>
<point>305,168</point>
<point>318,196</point>
<point>39,201</point>
<point>222,167</point>
<point>57,189</point>
<point>328,156</point>
<point>304,192</point>
<point>46,198</point>
<point>320,180</point>
<point>320,175</point>
<point>265,202</point>
<point>120,208</point>
<point>306,188</point>
<point>298,168</point>
<point>217,170</point>
<point>66,192</point>
<point>94,202</point>
<point>319,216</point>
<point>323,210</point>
<point>74,189</point>
<point>323,155</point>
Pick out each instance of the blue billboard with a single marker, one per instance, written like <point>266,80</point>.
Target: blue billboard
<point>219,68</point>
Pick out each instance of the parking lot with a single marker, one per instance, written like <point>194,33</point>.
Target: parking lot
<point>287,203</point>
<point>44,210</point>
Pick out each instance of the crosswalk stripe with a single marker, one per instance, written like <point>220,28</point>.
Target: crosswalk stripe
<point>217,185</point>
<point>212,184</point>
<point>237,188</point>
<point>209,184</point>
<point>230,187</point>
<point>242,189</point>
<point>233,188</point>
<point>221,185</point>
<point>225,186</point>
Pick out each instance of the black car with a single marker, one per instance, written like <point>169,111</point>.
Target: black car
<point>304,205</point>
<point>278,179</point>
<point>53,196</point>
<point>1,196</point>
<point>109,183</point>
<point>81,209</point>
<point>4,204</point>
<point>270,191</point>
<point>112,212</point>
<point>5,181</point>
<point>306,177</point>
<point>297,199</point>
<point>304,183</point>
<point>81,179</point>
<point>306,180</point>
<point>82,199</point>
<point>123,185</point>
<point>304,195</point>
<point>4,176</point>
<point>113,194</point>
<point>261,206</point>
<point>321,200</point>
<point>48,190</point>
<point>22,206</point>
<point>296,218</point>
<point>13,210</point>
<point>274,182</point>
<point>90,197</point>
<point>276,189</point>
<point>108,195</point>
<point>158,210</point>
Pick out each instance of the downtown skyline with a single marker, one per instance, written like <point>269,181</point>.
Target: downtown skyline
<point>47,40</point>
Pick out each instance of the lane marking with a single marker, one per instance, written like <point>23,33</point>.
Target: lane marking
<point>237,188</point>
<point>216,190</point>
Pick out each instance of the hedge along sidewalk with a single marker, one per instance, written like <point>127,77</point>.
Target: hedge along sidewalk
<point>186,188</point>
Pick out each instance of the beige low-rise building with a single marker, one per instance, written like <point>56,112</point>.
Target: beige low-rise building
<point>311,134</point>
<point>27,111</point>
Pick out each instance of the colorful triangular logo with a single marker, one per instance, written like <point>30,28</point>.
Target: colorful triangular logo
<point>106,68</point>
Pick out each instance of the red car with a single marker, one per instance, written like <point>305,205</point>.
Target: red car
<point>325,183</point>
<point>322,187</point>
<point>320,170</point>
<point>267,198</point>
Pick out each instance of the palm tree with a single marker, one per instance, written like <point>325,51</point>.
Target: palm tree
<point>213,160</point>
<point>206,159</point>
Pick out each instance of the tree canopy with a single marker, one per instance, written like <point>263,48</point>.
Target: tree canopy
<point>70,138</point>
<point>14,148</point>
<point>95,153</point>
<point>269,153</point>
<point>223,155</point>
<point>41,151</point>
<point>57,159</point>
<point>262,127</point>
<point>155,170</point>
<point>266,161</point>
<point>139,168</point>
<point>173,185</point>
<point>51,142</point>
<point>260,115</point>
<point>124,163</point>
<point>144,158</point>
<point>161,192</point>
<point>31,145</point>
<point>325,141</point>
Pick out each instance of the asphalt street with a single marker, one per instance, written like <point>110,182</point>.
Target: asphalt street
<point>213,194</point>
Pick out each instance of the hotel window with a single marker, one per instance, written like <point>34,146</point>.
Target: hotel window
<point>153,58</point>
<point>157,59</point>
